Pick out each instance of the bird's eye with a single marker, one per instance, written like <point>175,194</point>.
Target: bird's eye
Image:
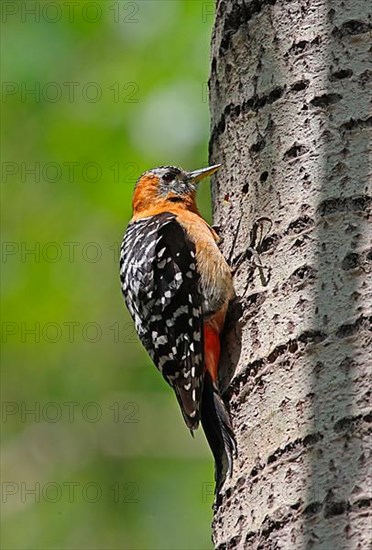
<point>168,177</point>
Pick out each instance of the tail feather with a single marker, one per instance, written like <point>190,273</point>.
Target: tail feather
<point>218,430</point>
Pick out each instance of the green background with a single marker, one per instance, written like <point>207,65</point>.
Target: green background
<point>95,452</point>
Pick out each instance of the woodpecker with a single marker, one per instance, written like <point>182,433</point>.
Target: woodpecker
<point>177,287</point>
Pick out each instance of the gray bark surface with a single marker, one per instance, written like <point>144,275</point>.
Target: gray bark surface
<point>290,93</point>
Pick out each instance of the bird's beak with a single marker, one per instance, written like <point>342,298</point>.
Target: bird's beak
<point>198,175</point>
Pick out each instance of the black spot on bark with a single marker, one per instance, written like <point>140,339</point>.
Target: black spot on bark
<point>312,439</point>
<point>348,204</point>
<point>300,277</point>
<point>303,45</point>
<point>300,85</point>
<point>351,28</point>
<point>292,346</point>
<point>312,509</point>
<point>351,261</point>
<point>356,123</point>
<point>299,225</point>
<point>297,150</point>
<point>348,329</point>
<point>312,337</point>
<point>325,100</point>
<point>221,126</point>
<point>363,503</point>
<point>264,176</point>
<point>235,112</point>
<point>251,535</point>
<point>341,74</point>
<point>257,102</point>
<point>334,509</point>
<point>365,77</point>
<point>233,542</point>
<point>258,146</point>
<point>344,331</point>
<point>240,483</point>
<point>275,94</point>
<point>256,299</point>
<point>269,243</point>
<point>279,350</point>
<point>344,424</point>
<point>299,47</point>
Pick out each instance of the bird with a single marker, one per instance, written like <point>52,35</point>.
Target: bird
<point>177,287</point>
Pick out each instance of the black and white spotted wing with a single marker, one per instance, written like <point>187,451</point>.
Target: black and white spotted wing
<point>160,284</point>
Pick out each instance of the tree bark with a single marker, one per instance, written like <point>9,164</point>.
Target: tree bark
<point>289,93</point>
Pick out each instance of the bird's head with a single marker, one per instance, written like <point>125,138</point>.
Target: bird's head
<point>168,184</point>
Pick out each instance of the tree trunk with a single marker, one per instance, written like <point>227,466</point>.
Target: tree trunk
<point>289,95</point>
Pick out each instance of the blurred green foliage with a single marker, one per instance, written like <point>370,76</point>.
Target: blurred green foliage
<point>93,93</point>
